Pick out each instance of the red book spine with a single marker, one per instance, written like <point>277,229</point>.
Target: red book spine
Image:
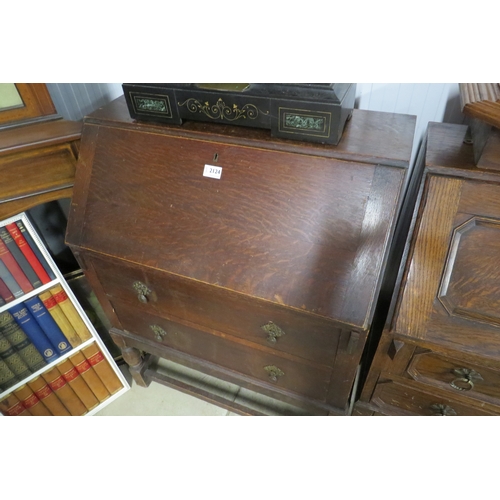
<point>5,293</point>
<point>13,267</point>
<point>28,253</point>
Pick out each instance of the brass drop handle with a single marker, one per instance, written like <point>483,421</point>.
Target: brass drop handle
<point>158,331</point>
<point>142,291</point>
<point>274,332</point>
<point>274,372</point>
<point>443,410</point>
<point>465,379</point>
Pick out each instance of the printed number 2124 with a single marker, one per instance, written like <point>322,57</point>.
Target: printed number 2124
<point>211,171</point>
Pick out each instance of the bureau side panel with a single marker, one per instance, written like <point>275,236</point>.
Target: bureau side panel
<point>76,219</point>
<point>451,294</point>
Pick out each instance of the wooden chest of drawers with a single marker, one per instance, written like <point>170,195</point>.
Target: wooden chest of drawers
<point>441,346</point>
<point>266,277</point>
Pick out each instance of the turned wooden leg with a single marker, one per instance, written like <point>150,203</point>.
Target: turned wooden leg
<point>137,363</point>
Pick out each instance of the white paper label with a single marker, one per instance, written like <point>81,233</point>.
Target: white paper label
<point>211,171</point>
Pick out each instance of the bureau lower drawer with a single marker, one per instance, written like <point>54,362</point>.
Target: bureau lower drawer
<point>159,293</point>
<point>283,373</point>
<point>395,399</point>
<point>460,377</point>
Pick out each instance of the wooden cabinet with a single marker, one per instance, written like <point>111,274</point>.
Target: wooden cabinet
<point>443,338</point>
<point>267,275</point>
<point>37,164</point>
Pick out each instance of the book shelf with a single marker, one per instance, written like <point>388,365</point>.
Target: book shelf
<point>92,344</point>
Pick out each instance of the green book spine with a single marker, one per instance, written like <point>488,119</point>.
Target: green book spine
<point>12,358</point>
<point>21,342</point>
<point>7,377</point>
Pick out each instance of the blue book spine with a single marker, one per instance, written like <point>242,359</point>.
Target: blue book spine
<point>33,331</point>
<point>48,325</point>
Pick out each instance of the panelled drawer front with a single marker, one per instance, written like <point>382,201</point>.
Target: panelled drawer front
<point>451,295</point>
<point>286,374</point>
<point>394,399</point>
<point>468,379</point>
<point>159,293</point>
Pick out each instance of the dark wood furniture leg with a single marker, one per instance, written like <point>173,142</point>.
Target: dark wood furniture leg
<point>136,361</point>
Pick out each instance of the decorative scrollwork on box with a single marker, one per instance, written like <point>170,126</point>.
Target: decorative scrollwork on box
<point>221,111</point>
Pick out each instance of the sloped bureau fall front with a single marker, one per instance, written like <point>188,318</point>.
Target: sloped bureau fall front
<point>266,277</point>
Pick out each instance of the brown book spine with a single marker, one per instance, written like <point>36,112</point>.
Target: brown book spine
<point>64,392</point>
<point>71,313</point>
<point>5,293</point>
<point>47,396</point>
<point>78,384</point>
<point>83,367</point>
<point>10,406</point>
<point>60,318</point>
<point>31,402</point>
<point>101,365</point>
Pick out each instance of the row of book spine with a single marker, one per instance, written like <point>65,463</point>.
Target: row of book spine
<point>36,332</point>
<point>73,387</point>
<point>22,265</point>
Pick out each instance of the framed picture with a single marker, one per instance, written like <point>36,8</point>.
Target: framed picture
<point>25,102</point>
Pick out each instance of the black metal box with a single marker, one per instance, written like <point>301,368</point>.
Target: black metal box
<point>313,112</point>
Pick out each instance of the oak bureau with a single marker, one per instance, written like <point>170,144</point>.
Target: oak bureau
<point>439,353</point>
<point>254,260</point>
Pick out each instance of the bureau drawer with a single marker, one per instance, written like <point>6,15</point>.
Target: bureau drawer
<point>468,379</point>
<point>396,399</point>
<point>264,366</point>
<point>161,294</point>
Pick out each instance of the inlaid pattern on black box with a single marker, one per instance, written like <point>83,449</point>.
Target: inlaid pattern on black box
<point>304,122</point>
<point>152,104</point>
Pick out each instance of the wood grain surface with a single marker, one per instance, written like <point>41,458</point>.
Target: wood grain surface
<point>429,252</point>
<point>291,229</point>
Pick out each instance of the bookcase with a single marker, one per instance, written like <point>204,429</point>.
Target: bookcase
<point>52,361</point>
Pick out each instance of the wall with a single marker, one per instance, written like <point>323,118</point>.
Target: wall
<point>75,100</point>
<point>439,102</point>
<point>429,102</point>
